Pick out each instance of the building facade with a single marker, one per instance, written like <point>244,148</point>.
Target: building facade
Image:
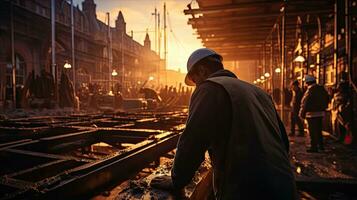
<point>98,48</point>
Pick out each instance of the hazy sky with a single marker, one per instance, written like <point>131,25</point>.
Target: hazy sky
<point>138,17</point>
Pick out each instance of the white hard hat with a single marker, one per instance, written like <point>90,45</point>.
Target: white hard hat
<point>194,58</point>
<point>309,78</point>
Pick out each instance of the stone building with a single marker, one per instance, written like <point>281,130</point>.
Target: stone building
<point>32,45</point>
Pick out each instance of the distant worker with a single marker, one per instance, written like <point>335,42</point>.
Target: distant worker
<point>238,124</point>
<point>150,94</point>
<point>313,106</point>
<point>342,112</point>
<point>295,107</point>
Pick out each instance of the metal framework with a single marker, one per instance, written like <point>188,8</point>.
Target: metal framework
<point>240,30</point>
<point>233,22</point>
<point>75,156</point>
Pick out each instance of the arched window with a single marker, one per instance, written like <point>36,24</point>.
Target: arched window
<point>20,71</point>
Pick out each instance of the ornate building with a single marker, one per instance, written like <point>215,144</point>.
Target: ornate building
<point>32,44</point>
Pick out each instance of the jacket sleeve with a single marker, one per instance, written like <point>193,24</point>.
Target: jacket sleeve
<point>326,96</point>
<point>284,135</point>
<point>304,103</point>
<point>196,137</point>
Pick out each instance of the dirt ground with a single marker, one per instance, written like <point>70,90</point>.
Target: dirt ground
<point>139,186</point>
<point>337,161</point>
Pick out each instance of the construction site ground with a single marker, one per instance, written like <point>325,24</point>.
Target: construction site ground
<point>328,174</point>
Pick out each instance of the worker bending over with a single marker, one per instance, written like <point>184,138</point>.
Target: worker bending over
<point>238,124</point>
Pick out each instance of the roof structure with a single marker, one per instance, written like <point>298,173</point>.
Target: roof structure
<point>239,29</point>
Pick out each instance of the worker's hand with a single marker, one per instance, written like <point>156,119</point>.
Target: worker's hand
<point>163,182</point>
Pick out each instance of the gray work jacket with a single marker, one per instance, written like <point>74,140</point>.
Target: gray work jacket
<point>239,126</point>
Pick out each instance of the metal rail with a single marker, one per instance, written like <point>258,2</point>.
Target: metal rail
<point>77,163</point>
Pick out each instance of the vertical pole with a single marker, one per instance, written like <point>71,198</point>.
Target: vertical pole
<point>159,35</point>
<point>306,32</point>
<point>53,49</point>
<point>264,69</point>
<point>13,62</point>
<point>348,27</point>
<point>122,60</point>
<point>335,41</point>
<point>109,52</point>
<point>318,67</point>
<point>159,45</point>
<point>155,30</point>
<point>283,61</point>
<point>307,51</point>
<point>256,72</point>
<point>271,65</point>
<point>156,44</point>
<point>72,47</point>
<point>165,43</point>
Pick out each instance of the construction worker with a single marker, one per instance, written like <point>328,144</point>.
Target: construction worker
<point>313,106</point>
<point>341,112</point>
<point>295,107</point>
<point>238,124</point>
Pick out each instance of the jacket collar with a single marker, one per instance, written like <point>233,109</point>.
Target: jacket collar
<point>223,72</point>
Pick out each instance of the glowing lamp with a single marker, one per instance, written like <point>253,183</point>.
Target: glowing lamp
<point>299,58</point>
<point>67,65</point>
<point>114,73</point>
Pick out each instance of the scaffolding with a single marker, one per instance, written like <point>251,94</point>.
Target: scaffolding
<point>273,33</point>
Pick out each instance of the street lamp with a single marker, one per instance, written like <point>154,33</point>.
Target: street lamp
<point>151,78</point>
<point>267,75</point>
<point>258,80</point>
<point>255,82</point>
<point>300,59</point>
<point>67,65</point>
<point>114,72</point>
<point>262,77</point>
<point>277,70</point>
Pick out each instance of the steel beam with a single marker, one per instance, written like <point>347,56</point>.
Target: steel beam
<point>237,40</point>
<point>119,168</point>
<point>237,29</point>
<point>222,20</point>
<point>228,8</point>
<point>335,41</point>
<point>207,26</point>
<point>283,62</point>
<point>255,16</point>
<point>232,18</point>
<point>241,33</point>
<point>84,174</point>
<point>240,6</point>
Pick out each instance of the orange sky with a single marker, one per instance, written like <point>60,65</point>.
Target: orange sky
<point>137,14</point>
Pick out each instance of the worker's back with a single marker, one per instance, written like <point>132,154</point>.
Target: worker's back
<point>256,155</point>
<point>315,98</point>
